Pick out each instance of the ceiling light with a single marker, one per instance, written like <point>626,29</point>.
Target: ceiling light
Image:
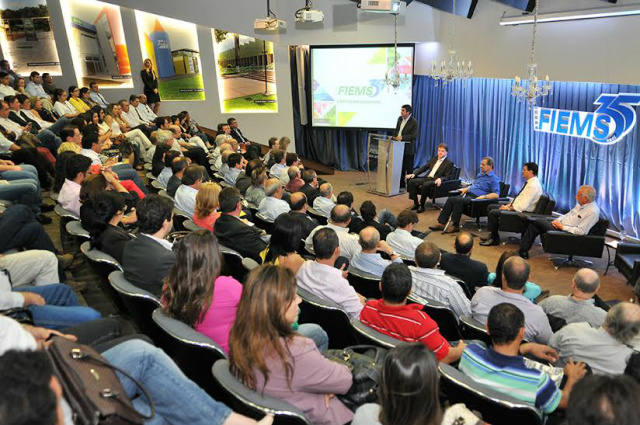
<point>603,12</point>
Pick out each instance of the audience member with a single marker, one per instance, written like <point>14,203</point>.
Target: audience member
<point>401,239</point>
<point>285,242</point>
<point>235,163</point>
<point>407,322</point>
<point>76,169</point>
<point>604,400</point>
<point>243,182</point>
<point>298,212</point>
<point>531,290</point>
<point>474,273</point>
<point>382,223</point>
<point>432,283</point>
<point>273,205</point>
<point>515,274</point>
<point>346,198</point>
<point>21,230</point>
<point>279,156</point>
<point>167,172</point>
<point>6,85</point>
<point>62,107</point>
<point>178,166</point>
<point>503,369</point>
<point>369,258</point>
<point>339,222</point>
<point>256,192</point>
<point>323,203</point>
<point>291,160</point>
<point>96,96</point>
<point>185,198</point>
<point>274,144</point>
<point>295,180</point>
<point>207,203</point>
<point>310,188</point>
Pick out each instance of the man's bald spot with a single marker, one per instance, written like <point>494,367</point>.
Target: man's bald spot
<point>369,238</point>
<point>296,197</point>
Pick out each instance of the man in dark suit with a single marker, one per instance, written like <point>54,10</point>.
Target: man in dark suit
<point>474,273</point>
<point>236,133</point>
<point>232,231</point>
<point>299,207</point>
<point>439,169</point>
<point>149,258</point>
<point>310,188</point>
<point>406,131</point>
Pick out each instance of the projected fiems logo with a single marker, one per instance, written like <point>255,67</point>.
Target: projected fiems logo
<point>372,90</point>
<point>614,119</point>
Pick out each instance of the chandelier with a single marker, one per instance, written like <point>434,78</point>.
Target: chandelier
<point>531,89</point>
<point>451,69</point>
<point>393,77</point>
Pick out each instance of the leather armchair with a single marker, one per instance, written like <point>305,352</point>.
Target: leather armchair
<point>627,261</point>
<point>563,243</point>
<point>444,190</point>
<point>516,222</point>
<point>478,207</point>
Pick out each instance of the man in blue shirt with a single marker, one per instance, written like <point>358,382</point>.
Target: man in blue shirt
<point>486,186</point>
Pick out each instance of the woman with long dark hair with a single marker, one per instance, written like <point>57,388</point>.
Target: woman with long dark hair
<point>286,240</point>
<point>409,392</point>
<point>268,356</point>
<point>195,293</point>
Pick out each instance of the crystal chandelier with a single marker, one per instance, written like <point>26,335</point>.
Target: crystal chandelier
<point>393,78</point>
<point>451,69</point>
<point>530,89</point>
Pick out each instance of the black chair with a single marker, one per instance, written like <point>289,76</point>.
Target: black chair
<point>156,186</point>
<point>564,243</point>
<point>232,264</point>
<point>329,315</point>
<point>68,242</point>
<point>442,315</point>
<point>75,228</point>
<point>627,261</point>
<point>478,207</point>
<point>191,226</point>
<point>472,329</point>
<point>369,336</point>
<point>165,194</point>
<point>192,351</point>
<point>103,264</point>
<point>251,403</point>
<point>322,220</point>
<point>517,222</point>
<point>445,188</point>
<point>139,303</point>
<point>179,217</point>
<point>496,408</point>
<point>365,284</point>
<point>262,222</point>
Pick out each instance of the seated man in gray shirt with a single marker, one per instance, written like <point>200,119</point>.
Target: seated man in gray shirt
<point>515,274</point>
<point>580,305</point>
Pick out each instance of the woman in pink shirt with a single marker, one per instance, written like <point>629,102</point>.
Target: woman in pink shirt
<point>206,211</point>
<point>268,356</point>
<point>196,294</point>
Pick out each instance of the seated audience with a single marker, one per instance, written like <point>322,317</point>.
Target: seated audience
<point>605,349</point>
<point>274,144</point>
<point>531,290</point>
<point>62,107</point>
<point>235,163</point>
<point>95,184</point>
<point>381,222</point>
<point>195,292</point>
<point>409,392</point>
<point>369,258</point>
<point>298,211</point>
<point>255,194</point>
<point>76,169</point>
<point>339,222</point>
<point>234,232</point>
<point>178,166</point>
<point>401,239</point>
<point>323,203</point>
<point>432,283</point>
<point>291,160</point>
<point>268,356</point>
<point>185,198</point>
<point>579,306</point>
<point>167,172</point>
<point>295,181</point>
<point>502,367</point>
<point>346,198</point>
<point>474,273</point>
<point>279,156</point>
<point>604,400</point>
<point>273,205</point>
<point>206,209</point>
<point>323,279</point>
<point>21,230</point>
<point>407,322</point>
<point>515,274</point>
<point>310,188</point>
<point>285,242</point>
<point>149,257</point>
<point>243,182</point>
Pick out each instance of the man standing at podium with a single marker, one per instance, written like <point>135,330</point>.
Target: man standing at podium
<point>406,131</point>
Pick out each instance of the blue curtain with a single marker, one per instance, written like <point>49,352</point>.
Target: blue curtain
<point>480,118</point>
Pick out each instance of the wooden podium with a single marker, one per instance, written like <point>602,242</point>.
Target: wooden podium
<point>390,155</point>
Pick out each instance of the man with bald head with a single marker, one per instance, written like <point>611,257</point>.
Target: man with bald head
<point>474,273</point>
<point>324,202</point>
<point>578,221</point>
<point>515,274</point>
<point>606,348</point>
<point>579,306</point>
<point>299,207</point>
<point>273,205</point>
<point>339,221</point>
<point>369,259</point>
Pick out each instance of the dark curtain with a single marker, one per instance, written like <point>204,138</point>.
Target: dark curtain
<point>480,118</point>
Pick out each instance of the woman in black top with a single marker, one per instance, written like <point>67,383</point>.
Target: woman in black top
<point>150,80</point>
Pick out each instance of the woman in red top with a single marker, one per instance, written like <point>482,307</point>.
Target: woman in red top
<point>206,211</point>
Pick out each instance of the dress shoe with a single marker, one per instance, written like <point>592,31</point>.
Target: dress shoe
<point>490,242</point>
<point>523,254</point>
<point>65,260</point>
<point>451,229</point>
<point>438,226</point>
<point>46,208</point>
<point>43,219</point>
<point>421,209</point>
<point>415,207</point>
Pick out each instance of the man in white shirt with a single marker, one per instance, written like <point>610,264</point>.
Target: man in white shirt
<point>339,221</point>
<point>432,283</point>
<point>369,259</point>
<point>525,201</point>
<point>132,118</point>
<point>324,202</point>
<point>322,279</point>
<point>5,85</point>
<point>280,163</point>
<point>401,239</point>
<point>144,109</point>
<point>273,205</point>
<point>77,167</point>
<point>96,96</point>
<point>578,221</point>
<point>34,86</point>
<point>192,179</point>
<point>236,162</point>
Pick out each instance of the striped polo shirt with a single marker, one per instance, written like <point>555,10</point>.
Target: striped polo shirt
<point>406,323</point>
<point>510,376</point>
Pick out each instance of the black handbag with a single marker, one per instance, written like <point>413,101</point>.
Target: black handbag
<point>365,363</point>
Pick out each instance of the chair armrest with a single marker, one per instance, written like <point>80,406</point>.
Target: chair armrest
<point>628,248</point>
<point>454,192</point>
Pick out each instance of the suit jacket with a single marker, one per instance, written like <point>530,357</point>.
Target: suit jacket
<point>113,241</point>
<point>474,273</point>
<point>13,116</point>
<point>444,172</point>
<point>243,182</point>
<point>409,134</point>
<point>236,133</point>
<point>146,263</point>
<point>234,234</point>
<point>172,185</point>
<point>383,229</point>
<point>310,192</point>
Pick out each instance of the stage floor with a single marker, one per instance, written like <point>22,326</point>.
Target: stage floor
<point>543,272</point>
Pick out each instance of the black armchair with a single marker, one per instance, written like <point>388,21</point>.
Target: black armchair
<point>478,207</point>
<point>627,261</point>
<point>444,190</point>
<point>516,222</point>
<point>564,243</point>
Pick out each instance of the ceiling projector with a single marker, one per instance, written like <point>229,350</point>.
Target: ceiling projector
<point>269,24</point>
<point>381,6</point>
<point>308,15</point>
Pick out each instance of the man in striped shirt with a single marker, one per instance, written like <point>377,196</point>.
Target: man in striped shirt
<point>407,322</point>
<point>502,367</point>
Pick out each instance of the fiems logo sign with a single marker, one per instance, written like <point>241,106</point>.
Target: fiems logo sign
<point>614,119</point>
